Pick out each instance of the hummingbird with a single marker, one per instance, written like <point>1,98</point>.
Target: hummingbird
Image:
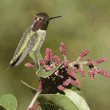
<point>32,39</point>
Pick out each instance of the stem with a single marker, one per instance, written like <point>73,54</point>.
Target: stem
<point>35,106</point>
<point>35,96</point>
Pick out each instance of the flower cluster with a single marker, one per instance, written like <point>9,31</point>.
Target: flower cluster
<point>64,77</point>
<point>50,61</point>
<point>63,49</point>
<point>29,64</point>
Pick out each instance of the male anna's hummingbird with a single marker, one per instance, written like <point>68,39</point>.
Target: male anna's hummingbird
<point>32,39</point>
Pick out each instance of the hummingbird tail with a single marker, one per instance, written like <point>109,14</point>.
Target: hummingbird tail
<point>14,62</point>
<point>8,67</point>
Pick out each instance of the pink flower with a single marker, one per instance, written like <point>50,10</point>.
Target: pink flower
<point>41,62</point>
<point>62,77</point>
<point>29,65</point>
<point>75,69</point>
<point>51,56</point>
<point>106,74</point>
<point>61,87</point>
<point>75,82</point>
<point>48,68</point>
<point>71,81</point>
<point>46,58</point>
<point>82,72</point>
<point>92,78</point>
<point>67,82</point>
<point>100,60</point>
<point>58,61</point>
<point>98,70</point>
<point>63,49</point>
<point>91,75</point>
<point>83,54</point>
<point>94,71</point>
<point>90,63</point>
<point>69,72</point>
<point>102,72</point>
<point>66,63</point>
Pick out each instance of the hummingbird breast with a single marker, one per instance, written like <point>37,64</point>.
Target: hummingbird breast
<point>40,40</point>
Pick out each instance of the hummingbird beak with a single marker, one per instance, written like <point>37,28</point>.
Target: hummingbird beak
<point>54,17</point>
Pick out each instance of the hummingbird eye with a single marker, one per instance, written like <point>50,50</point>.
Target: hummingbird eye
<point>39,19</point>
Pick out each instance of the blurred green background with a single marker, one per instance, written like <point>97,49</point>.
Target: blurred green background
<point>85,24</point>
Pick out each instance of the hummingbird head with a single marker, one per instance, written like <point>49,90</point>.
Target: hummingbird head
<point>41,21</point>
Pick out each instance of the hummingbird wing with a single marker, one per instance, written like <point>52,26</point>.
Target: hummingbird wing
<point>24,47</point>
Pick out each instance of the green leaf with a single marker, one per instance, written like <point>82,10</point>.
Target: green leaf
<point>8,101</point>
<point>77,90</point>
<point>43,74</point>
<point>77,98</point>
<point>58,100</point>
<point>49,107</point>
<point>72,100</point>
<point>2,108</point>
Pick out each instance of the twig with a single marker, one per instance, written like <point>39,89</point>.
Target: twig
<point>31,105</point>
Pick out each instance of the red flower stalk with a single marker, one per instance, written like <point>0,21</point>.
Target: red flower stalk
<point>94,71</point>
<point>83,54</point>
<point>51,56</point>
<point>91,75</point>
<point>76,82</point>
<point>58,61</point>
<point>71,81</point>
<point>62,77</point>
<point>29,65</point>
<point>41,62</point>
<point>90,63</point>
<point>48,68</point>
<point>100,60</point>
<point>82,72</point>
<point>75,69</point>
<point>66,63</point>
<point>67,82</point>
<point>46,58</point>
<point>63,49</point>
<point>69,72</point>
<point>104,73</point>
<point>61,87</point>
<point>35,106</point>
